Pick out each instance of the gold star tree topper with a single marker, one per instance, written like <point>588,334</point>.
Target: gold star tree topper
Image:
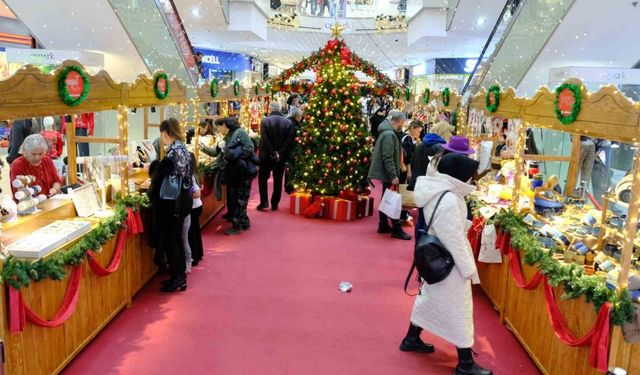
<point>336,30</point>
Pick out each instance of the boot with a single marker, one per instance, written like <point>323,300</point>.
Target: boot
<point>413,343</point>
<point>384,228</point>
<point>398,233</point>
<point>175,284</point>
<point>466,364</point>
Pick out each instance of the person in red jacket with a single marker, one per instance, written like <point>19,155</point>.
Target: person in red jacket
<point>35,162</point>
<point>53,138</point>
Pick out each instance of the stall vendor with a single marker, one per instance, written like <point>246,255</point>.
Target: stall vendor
<point>35,162</point>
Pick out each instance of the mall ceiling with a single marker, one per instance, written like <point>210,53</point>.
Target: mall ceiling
<point>471,25</point>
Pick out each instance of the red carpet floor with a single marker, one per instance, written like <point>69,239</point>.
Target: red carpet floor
<point>267,302</point>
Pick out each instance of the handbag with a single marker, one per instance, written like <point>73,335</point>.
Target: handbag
<point>391,204</point>
<point>432,260</point>
<point>170,188</point>
<point>408,197</point>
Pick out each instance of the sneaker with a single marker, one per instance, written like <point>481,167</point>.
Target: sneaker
<point>401,235</point>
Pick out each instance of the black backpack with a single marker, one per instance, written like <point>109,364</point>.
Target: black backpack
<point>433,261</point>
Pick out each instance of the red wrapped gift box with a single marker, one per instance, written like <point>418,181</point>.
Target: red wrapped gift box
<point>326,201</point>
<point>342,209</point>
<point>365,206</point>
<point>299,202</point>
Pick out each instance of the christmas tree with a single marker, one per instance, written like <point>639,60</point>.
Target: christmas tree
<point>333,148</point>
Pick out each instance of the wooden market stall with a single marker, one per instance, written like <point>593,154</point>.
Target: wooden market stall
<point>210,92</point>
<point>46,322</point>
<point>518,290</point>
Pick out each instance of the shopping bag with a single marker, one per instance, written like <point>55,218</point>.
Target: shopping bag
<point>488,251</point>
<point>408,197</point>
<point>391,204</point>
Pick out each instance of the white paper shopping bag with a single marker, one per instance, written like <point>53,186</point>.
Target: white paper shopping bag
<point>391,204</point>
<point>488,251</point>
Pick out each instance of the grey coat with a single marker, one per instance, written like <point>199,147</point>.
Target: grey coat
<point>385,162</point>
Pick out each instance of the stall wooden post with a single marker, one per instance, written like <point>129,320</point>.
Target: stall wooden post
<point>519,161</point>
<point>573,172</point>
<point>72,151</point>
<point>632,224</point>
<point>123,130</point>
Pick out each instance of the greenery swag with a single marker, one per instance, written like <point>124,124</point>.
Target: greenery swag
<point>577,104</point>
<point>63,91</point>
<point>19,273</point>
<point>571,277</point>
<point>492,107</point>
<point>446,96</point>
<point>159,94</point>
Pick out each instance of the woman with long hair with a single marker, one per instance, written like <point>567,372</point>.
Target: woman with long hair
<point>169,214</point>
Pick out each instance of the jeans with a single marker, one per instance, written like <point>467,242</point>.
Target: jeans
<point>185,239</point>
<point>266,167</point>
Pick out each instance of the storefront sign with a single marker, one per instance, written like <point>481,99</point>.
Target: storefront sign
<point>347,26</point>
<point>215,62</point>
<point>616,76</point>
<point>53,57</point>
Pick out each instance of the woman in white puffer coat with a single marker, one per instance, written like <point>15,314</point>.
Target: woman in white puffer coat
<point>445,309</point>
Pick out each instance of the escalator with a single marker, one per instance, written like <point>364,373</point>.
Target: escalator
<point>521,33</point>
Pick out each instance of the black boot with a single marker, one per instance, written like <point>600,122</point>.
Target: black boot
<point>398,233</point>
<point>466,364</point>
<point>175,284</point>
<point>384,228</point>
<point>413,343</point>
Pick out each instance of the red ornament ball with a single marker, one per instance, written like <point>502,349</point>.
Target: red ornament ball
<point>334,92</point>
<point>308,152</point>
<point>329,165</point>
<point>320,182</point>
<point>343,128</point>
<point>327,61</point>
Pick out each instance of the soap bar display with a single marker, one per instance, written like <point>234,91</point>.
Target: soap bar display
<point>48,238</point>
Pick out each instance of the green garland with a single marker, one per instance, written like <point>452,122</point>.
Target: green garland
<point>496,95</point>
<point>215,88</point>
<point>571,277</point>
<point>19,273</point>
<point>161,95</point>
<point>236,88</point>
<point>446,96</point>
<point>577,105</point>
<point>63,92</point>
<point>267,89</point>
<point>407,93</point>
<point>425,96</point>
<point>256,89</point>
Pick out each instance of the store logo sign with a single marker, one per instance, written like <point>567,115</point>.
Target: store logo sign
<point>211,59</point>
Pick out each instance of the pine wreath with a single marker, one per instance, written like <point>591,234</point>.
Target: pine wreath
<point>256,89</point>
<point>577,104</point>
<point>425,96</point>
<point>215,88</point>
<point>446,96</point>
<point>496,96</point>
<point>236,88</point>
<point>407,93</point>
<point>63,91</point>
<point>159,94</point>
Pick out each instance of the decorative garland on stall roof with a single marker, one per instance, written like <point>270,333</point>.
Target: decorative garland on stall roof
<point>256,89</point>
<point>63,91</point>
<point>236,88</point>
<point>267,89</point>
<point>159,94</point>
<point>20,273</point>
<point>215,88</point>
<point>407,93</point>
<point>572,277</point>
<point>446,96</point>
<point>492,107</point>
<point>425,96</point>
<point>575,108</point>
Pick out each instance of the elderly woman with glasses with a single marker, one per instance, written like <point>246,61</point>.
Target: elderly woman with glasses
<point>36,162</point>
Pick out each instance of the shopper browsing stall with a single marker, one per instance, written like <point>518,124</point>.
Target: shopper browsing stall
<point>445,309</point>
<point>35,162</point>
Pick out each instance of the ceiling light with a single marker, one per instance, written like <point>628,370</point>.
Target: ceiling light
<point>195,12</point>
<point>480,21</point>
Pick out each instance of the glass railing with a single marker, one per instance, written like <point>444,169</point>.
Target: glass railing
<point>521,33</point>
<point>343,8</point>
<point>180,37</point>
<point>148,31</point>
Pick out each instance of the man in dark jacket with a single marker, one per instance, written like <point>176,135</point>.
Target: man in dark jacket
<point>277,134</point>
<point>385,166</point>
<point>20,130</point>
<point>374,121</point>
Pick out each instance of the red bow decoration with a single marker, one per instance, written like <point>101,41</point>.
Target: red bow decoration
<point>315,209</point>
<point>345,55</point>
<point>332,44</point>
